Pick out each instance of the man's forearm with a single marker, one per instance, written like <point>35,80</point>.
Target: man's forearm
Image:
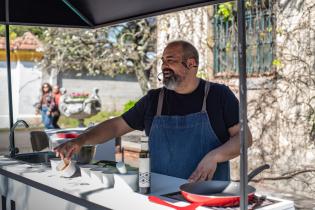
<point>230,149</point>
<point>105,131</point>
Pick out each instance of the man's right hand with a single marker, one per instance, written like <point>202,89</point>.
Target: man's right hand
<point>67,149</point>
<point>99,134</point>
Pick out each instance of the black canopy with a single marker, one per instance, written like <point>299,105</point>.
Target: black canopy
<point>2,11</point>
<point>89,13</point>
<point>37,12</point>
<point>95,13</point>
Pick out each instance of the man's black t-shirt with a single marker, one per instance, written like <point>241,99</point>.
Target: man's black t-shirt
<point>222,108</point>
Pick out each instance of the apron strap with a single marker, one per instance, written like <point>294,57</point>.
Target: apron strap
<point>160,103</point>
<point>207,89</point>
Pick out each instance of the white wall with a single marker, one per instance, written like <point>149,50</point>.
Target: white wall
<point>26,82</point>
<point>114,92</point>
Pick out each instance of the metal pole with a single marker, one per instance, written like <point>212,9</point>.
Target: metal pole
<point>243,101</point>
<point>8,52</point>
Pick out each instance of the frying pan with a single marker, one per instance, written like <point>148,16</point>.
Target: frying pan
<point>219,193</point>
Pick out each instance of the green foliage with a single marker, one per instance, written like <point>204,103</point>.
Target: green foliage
<point>202,74</point>
<point>16,31</point>
<point>66,122</point>
<point>228,46</point>
<point>225,11</point>
<point>276,62</point>
<point>101,116</point>
<point>248,4</point>
<point>129,105</point>
<point>279,31</point>
<point>269,29</point>
<point>251,4</point>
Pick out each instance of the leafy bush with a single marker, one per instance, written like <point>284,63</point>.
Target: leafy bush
<point>17,31</point>
<point>225,11</point>
<point>66,122</point>
<point>101,116</point>
<point>129,105</point>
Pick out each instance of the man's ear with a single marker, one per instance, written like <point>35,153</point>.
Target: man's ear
<point>191,62</point>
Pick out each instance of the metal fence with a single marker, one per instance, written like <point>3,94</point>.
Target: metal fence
<point>259,37</point>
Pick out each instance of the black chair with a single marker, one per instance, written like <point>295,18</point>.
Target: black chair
<point>39,140</point>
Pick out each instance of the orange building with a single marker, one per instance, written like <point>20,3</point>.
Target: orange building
<point>24,48</point>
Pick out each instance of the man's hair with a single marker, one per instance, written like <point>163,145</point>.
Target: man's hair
<point>189,51</point>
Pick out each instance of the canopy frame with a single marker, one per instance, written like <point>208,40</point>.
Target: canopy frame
<point>241,63</point>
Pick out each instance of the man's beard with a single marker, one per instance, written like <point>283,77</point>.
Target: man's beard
<point>172,81</point>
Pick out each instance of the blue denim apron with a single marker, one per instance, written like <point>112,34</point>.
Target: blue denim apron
<point>178,143</point>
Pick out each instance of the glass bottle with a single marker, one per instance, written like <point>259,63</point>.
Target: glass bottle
<point>144,167</point>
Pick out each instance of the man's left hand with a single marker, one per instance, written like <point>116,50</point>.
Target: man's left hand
<point>205,169</point>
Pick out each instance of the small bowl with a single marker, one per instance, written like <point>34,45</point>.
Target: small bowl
<point>54,163</point>
<point>108,179</point>
<point>67,168</point>
<point>103,176</point>
<point>86,171</point>
<point>128,181</point>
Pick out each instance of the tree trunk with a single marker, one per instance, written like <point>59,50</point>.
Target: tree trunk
<point>142,79</point>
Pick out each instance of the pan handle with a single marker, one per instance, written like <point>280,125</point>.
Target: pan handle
<point>257,171</point>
